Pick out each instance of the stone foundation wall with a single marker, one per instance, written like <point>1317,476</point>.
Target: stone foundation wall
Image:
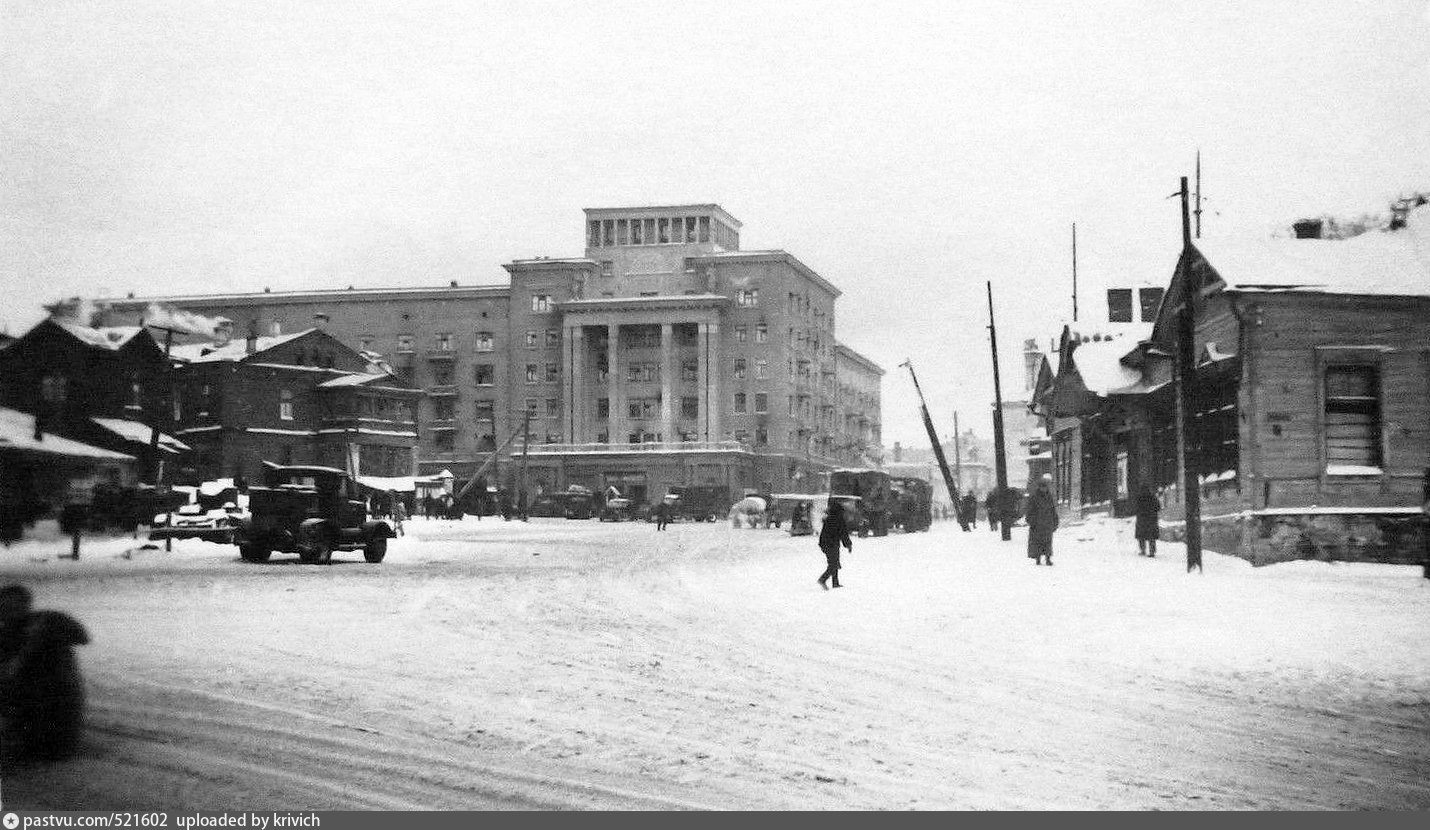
<point>1398,539</point>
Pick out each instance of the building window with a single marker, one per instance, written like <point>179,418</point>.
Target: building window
<point>553,372</point>
<point>485,342</point>
<point>442,376</point>
<point>54,389</point>
<point>748,297</point>
<point>762,403</point>
<point>643,372</point>
<point>761,369</point>
<point>690,370</point>
<point>540,303</point>
<point>791,405</point>
<point>1119,305</point>
<point>603,407</point>
<point>553,408</point>
<point>740,403</point>
<point>485,411</point>
<point>285,405</point>
<point>533,339</point>
<point>553,338</point>
<point>637,232</point>
<point>442,409</point>
<point>690,407</point>
<point>642,337</point>
<point>1352,423</point>
<point>533,405</point>
<point>741,334</point>
<point>442,440</point>
<point>593,233</point>
<point>643,408</point>
<point>762,333</point>
<point>662,231</point>
<point>608,268</point>
<point>484,374</point>
<point>533,372</point>
<point>608,233</point>
<point>740,368</point>
<point>762,437</point>
<point>704,228</point>
<point>1151,300</point>
<point>443,342</point>
<point>404,343</point>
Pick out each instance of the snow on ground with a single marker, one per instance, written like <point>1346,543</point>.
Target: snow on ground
<point>579,664</point>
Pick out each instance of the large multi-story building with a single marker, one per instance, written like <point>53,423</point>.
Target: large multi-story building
<point>666,355</point>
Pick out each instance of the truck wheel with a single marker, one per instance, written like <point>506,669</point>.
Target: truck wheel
<point>254,553</point>
<point>375,549</point>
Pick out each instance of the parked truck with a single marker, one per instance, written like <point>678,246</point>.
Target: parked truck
<point>913,504</point>
<point>700,503</point>
<point>874,509</point>
<point>310,511</point>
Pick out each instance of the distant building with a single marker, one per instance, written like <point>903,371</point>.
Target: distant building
<point>300,398</point>
<point>664,355</point>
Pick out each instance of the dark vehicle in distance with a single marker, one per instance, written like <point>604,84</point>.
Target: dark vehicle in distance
<point>310,511</point>
<point>699,503</point>
<point>873,513</point>
<point>913,504</point>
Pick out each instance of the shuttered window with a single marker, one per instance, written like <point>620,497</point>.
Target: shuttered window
<point>1352,420</point>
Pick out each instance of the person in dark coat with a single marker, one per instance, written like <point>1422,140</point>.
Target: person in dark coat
<point>970,511</point>
<point>662,514</point>
<point>1147,531</point>
<point>833,534</point>
<point>1042,521</point>
<point>41,689</point>
<point>991,505</point>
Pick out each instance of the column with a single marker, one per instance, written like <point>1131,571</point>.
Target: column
<point>702,352</point>
<point>716,403</point>
<point>613,388</point>
<point>568,377</point>
<point>579,430</point>
<point>667,382</point>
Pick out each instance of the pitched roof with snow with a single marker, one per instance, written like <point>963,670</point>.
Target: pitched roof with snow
<point>1100,365</point>
<point>140,433</point>
<point>17,432</point>
<point>234,350</point>
<point>1384,262</point>
<point>112,338</point>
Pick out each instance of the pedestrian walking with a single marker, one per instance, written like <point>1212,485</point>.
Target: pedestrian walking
<point>399,513</point>
<point>969,503</point>
<point>41,689</point>
<point>833,534</point>
<point>1147,530</point>
<point>662,514</point>
<point>991,505</point>
<point>1042,521</point>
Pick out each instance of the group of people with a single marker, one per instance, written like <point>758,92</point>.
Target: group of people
<point>41,690</point>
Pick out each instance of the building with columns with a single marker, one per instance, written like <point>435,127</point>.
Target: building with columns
<point>663,356</point>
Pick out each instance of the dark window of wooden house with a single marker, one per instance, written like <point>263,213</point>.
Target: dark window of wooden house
<point>1150,299</point>
<point>1352,425</point>
<point>1119,305</point>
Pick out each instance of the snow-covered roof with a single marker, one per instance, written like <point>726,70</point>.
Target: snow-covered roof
<point>235,350</point>
<point>112,338</point>
<point>352,379</point>
<point>1382,262</point>
<point>400,484</point>
<point>17,432</point>
<point>140,433</point>
<point>1100,365</point>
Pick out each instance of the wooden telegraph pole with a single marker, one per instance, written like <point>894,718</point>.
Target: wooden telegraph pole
<point>1000,457</point>
<point>1186,365</point>
<point>957,454</point>
<point>1074,263</point>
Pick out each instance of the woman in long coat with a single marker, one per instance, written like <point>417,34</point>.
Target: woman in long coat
<point>1042,521</point>
<point>1148,506</point>
<point>833,534</point>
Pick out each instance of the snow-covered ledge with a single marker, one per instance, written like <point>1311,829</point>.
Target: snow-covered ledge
<point>1352,470</point>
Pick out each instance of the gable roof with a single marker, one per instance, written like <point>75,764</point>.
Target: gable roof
<point>233,351</point>
<point>112,338</point>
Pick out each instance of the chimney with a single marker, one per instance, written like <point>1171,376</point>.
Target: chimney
<point>252,345</point>
<point>223,332</point>
<point>898,452</point>
<point>1308,228</point>
<point>320,321</point>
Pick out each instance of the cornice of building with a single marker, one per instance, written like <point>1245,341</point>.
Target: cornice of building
<point>669,301</point>
<point>841,350</point>
<point>326,295</point>
<point>672,210</point>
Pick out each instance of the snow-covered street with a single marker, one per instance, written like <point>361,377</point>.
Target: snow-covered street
<point>578,664</point>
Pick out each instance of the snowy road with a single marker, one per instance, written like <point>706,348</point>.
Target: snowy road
<point>576,664</point>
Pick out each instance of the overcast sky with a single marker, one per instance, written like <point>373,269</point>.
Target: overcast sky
<point>906,151</point>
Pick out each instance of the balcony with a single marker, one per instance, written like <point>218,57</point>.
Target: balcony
<point>441,355</point>
<point>442,390</point>
<point>649,447</point>
<point>442,424</point>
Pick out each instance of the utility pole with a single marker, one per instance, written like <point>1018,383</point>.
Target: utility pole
<point>933,435</point>
<point>1000,457</point>
<point>1074,257</point>
<point>957,454</point>
<point>1198,211</point>
<point>1187,396</point>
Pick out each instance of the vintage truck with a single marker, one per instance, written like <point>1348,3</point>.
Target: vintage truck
<point>310,511</point>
